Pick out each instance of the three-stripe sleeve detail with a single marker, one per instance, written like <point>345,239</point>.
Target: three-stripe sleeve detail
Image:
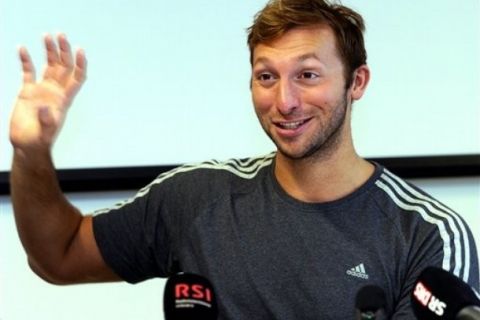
<point>243,168</point>
<point>451,227</point>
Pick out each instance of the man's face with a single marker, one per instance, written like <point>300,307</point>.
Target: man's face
<point>298,90</point>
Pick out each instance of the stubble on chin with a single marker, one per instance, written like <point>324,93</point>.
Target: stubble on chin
<point>324,143</point>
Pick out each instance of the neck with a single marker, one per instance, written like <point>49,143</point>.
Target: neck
<point>323,178</point>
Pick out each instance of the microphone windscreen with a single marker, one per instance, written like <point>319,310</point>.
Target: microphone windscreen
<point>189,296</point>
<point>469,313</point>
<point>370,298</point>
<point>370,303</point>
<point>438,294</point>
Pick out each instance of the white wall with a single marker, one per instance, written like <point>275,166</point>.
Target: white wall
<point>166,71</point>
<point>25,296</point>
<point>428,68</point>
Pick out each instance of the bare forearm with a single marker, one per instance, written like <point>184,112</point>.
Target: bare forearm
<point>46,221</point>
<point>59,241</point>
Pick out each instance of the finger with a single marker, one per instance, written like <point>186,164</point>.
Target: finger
<point>27,66</point>
<point>52,53</point>
<point>52,56</point>
<point>79,73</point>
<point>65,51</point>
<point>64,68</point>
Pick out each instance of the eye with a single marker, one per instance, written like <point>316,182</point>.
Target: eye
<point>265,76</point>
<point>308,75</point>
<point>265,79</point>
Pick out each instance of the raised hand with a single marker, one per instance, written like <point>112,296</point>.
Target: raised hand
<point>41,106</point>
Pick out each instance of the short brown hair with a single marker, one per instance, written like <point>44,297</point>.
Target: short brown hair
<point>280,16</point>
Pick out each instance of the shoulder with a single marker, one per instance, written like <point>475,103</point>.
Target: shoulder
<point>433,231</point>
<point>204,179</point>
<point>197,181</point>
<point>214,171</point>
<point>403,197</point>
<point>406,202</point>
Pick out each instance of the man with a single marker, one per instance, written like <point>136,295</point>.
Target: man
<point>293,234</point>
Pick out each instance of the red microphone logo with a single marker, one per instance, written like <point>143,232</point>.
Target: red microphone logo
<point>193,292</point>
<point>189,297</point>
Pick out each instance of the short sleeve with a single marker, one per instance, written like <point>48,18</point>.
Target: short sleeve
<point>132,235</point>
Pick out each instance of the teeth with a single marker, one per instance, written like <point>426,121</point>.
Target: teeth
<point>291,125</point>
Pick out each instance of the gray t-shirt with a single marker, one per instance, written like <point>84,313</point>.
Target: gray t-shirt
<point>270,256</point>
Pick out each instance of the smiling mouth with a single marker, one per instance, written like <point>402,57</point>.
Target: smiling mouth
<point>291,125</point>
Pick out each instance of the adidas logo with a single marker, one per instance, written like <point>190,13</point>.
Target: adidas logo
<point>358,271</point>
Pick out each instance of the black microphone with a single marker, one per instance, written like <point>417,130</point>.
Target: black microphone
<point>370,303</point>
<point>438,294</point>
<point>189,296</point>
<point>469,313</point>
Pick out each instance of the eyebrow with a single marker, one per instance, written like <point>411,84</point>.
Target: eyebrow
<point>300,58</point>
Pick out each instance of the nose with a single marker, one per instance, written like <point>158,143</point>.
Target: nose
<point>287,100</point>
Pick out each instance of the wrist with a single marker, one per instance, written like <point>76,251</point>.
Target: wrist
<point>36,158</point>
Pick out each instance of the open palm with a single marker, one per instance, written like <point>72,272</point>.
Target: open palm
<point>41,106</point>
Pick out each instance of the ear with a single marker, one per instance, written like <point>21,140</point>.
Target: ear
<point>361,76</point>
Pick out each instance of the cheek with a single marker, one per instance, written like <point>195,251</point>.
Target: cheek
<point>262,101</point>
<point>321,97</point>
